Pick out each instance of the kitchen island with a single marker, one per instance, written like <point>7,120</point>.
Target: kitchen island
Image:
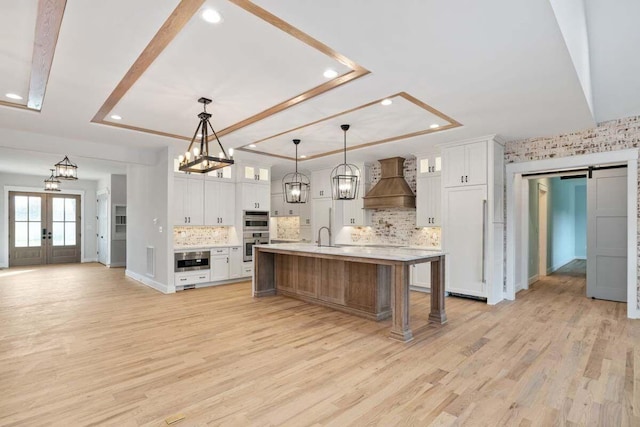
<point>371,282</point>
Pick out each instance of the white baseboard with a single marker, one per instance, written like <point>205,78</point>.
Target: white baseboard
<point>559,265</point>
<point>534,279</point>
<point>89,260</point>
<point>581,257</point>
<point>148,281</point>
<point>117,265</point>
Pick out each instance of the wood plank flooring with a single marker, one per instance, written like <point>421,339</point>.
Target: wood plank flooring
<point>83,345</point>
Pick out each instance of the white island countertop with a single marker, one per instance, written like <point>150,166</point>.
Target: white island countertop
<point>405,254</point>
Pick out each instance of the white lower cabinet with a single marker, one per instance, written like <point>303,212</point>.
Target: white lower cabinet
<point>235,262</point>
<point>247,269</point>
<point>219,264</point>
<point>421,276</point>
<point>192,278</point>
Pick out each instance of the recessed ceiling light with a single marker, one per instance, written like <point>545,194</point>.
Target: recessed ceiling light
<point>302,156</point>
<point>329,73</point>
<point>386,101</point>
<point>435,125</point>
<point>252,145</point>
<point>212,16</point>
<point>116,117</point>
<point>13,96</point>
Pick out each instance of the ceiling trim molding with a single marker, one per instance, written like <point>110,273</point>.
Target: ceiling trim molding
<point>167,32</point>
<point>452,124</point>
<point>176,22</point>
<point>16,105</point>
<point>48,24</point>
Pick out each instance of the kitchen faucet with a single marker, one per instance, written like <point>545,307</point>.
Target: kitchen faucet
<point>320,235</point>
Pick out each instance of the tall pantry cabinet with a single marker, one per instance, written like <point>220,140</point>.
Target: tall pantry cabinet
<point>473,217</point>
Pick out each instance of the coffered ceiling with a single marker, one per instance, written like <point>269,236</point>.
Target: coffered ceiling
<point>474,68</point>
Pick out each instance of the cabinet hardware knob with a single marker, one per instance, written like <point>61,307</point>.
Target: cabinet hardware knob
<point>462,179</point>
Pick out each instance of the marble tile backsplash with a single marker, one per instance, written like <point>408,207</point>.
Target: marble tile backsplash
<point>288,228</point>
<point>200,236</point>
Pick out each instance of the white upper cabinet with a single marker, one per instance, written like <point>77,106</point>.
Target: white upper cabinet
<point>321,184</point>
<point>277,205</point>
<point>428,201</point>
<point>429,164</point>
<point>219,202</point>
<point>189,200</point>
<point>304,210</point>
<point>254,173</point>
<point>254,197</point>
<point>466,164</point>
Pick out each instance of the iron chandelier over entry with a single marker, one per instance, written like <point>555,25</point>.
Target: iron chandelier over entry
<point>345,176</point>
<point>197,158</point>
<point>296,185</point>
<point>52,183</point>
<point>66,169</point>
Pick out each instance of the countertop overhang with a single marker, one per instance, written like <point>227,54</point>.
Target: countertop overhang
<point>394,254</point>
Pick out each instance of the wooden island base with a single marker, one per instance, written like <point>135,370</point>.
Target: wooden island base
<point>366,287</point>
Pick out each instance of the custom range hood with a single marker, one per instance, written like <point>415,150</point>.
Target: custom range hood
<point>392,191</point>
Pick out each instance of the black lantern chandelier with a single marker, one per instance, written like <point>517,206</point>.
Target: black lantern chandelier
<point>345,176</point>
<point>296,185</point>
<point>66,169</point>
<point>52,184</point>
<point>197,158</point>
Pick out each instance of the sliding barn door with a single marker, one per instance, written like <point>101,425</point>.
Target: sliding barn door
<point>607,235</point>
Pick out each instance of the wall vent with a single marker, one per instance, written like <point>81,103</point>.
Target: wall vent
<point>151,261</point>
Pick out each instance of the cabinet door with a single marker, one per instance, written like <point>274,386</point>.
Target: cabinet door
<point>465,232</point>
<point>263,174</point>
<point>321,184</point>
<point>435,189</point>
<point>195,201</point>
<point>180,193</point>
<point>212,201</point>
<point>305,213</point>
<point>454,172</point>
<point>348,212</point>
<point>423,197</point>
<point>291,209</point>
<point>430,164</point>
<point>262,197</point>
<point>219,268</point>
<point>476,163</point>
<point>235,262</point>
<point>321,217</point>
<point>248,192</point>
<point>227,203</point>
<point>276,205</point>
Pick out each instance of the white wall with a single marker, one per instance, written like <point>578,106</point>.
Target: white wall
<point>148,200</point>
<point>36,184</point>
<point>581,221</point>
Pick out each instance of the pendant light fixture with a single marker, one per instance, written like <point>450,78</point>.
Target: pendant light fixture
<point>52,184</point>
<point>66,169</point>
<point>345,176</point>
<point>197,158</point>
<point>295,185</point>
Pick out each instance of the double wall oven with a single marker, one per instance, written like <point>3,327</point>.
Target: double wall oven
<point>255,230</point>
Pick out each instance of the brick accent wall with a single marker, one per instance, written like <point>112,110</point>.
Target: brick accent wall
<point>613,135</point>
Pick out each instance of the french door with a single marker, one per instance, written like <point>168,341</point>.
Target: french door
<point>43,228</point>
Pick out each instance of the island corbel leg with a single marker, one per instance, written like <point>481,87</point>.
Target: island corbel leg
<point>400,329</point>
<point>438,313</point>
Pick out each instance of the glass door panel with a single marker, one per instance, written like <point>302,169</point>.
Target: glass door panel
<point>26,229</point>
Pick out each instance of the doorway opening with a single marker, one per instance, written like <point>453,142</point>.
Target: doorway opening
<point>44,228</point>
<point>578,228</point>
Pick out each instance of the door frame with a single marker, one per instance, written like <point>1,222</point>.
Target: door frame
<point>543,238</point>
<point>9,188</point>
<point>107,193</point>
<point>518,209</point>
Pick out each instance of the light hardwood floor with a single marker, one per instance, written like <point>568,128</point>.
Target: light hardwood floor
<point>83,345</point>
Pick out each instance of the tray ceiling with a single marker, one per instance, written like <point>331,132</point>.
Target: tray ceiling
<point>244,63</point>
<point>371,124</point>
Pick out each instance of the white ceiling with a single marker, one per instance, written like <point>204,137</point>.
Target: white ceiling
<point>496,66</point>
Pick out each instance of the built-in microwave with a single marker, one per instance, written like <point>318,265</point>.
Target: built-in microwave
<point>192,261</point>
<point>255,221</point>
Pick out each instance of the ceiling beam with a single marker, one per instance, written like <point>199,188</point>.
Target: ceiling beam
<point>48,24</point>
